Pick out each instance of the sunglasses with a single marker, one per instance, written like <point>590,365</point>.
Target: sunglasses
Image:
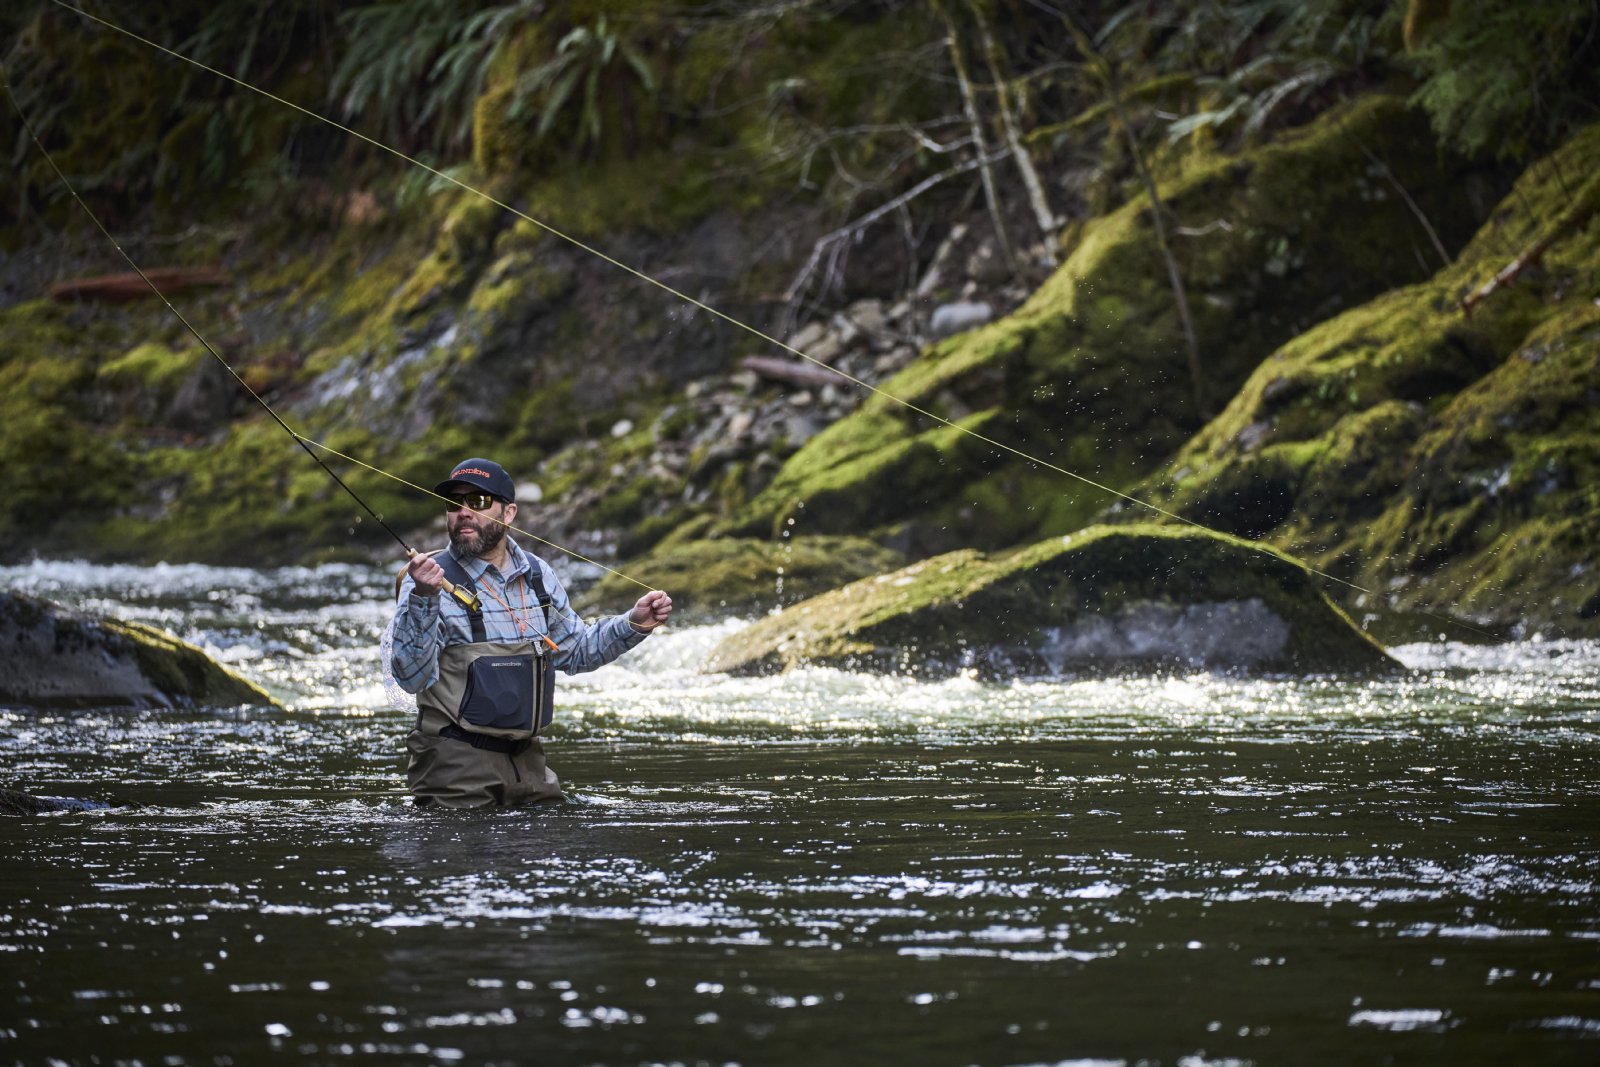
<point>475,501</point>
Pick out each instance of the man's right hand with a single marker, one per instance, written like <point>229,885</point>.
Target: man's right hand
<point>426,575</point>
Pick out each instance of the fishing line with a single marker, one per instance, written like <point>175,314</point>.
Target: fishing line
<point>429,492</point>
<point>305,443</point>
<point>641,275</point>
<point>686,298</point>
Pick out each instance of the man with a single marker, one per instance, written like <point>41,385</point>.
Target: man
<point>484,677</point>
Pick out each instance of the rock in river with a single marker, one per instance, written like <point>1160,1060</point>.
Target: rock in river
<point>1102,599</point>
<point>54,658</point>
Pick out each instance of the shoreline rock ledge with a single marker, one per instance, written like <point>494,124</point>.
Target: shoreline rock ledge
<point>51,657</point>
<point>1106,599</point>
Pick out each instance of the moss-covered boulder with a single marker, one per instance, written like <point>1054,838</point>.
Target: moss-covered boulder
<point>742,576</point>
<point>1103,599</point>
<point>55,658</point>
<point>1090,372</point>
<point>1448,461</point>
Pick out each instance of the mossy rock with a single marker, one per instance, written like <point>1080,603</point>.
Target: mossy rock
<point>54,658</point>
<point>1105,599</point>
<point>1089,373</point>
<point>733,577</point>
<point>1446,462</point>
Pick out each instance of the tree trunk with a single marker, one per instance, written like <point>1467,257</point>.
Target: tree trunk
<point>1019,152</point>
<point>969,103</point>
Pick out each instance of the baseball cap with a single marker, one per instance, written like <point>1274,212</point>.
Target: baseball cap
<point>483,474</point>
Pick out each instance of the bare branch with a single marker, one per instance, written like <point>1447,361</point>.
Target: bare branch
<point>791,371</point>
<point>969,102</point>
<point>828,241</point>
<point>1438,245</point>
<point>1037,199</point>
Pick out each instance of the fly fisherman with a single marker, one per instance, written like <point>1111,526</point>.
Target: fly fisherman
<point>484,679</point>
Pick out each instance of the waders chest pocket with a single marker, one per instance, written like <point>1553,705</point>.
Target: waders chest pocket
<point>500,692</point>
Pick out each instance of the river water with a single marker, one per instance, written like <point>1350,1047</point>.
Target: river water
<point>817,868</point>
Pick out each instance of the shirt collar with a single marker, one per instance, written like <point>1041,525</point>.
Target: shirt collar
<point>516,563</point>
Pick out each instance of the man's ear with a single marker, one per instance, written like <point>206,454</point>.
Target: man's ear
<point>511,513</point>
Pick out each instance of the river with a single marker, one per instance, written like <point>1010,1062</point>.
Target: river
<point>816,868</point>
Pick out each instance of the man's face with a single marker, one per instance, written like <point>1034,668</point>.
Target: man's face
<point>477,527</point>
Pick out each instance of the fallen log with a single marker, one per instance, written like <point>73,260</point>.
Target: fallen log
<point>121,288</point>
<point>791,371</point>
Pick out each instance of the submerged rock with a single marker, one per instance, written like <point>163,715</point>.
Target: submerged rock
<point>1103,599</point>
<point>53,657</point>
<point>16,802</point>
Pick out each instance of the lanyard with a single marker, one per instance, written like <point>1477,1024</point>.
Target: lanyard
<point>520,620</point>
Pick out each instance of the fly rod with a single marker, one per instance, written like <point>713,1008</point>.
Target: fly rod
<point>468,598</point>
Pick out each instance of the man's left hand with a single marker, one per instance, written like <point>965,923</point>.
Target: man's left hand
<point>651,611</point>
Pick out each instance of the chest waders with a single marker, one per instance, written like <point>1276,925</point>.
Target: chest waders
<point>476,737</point>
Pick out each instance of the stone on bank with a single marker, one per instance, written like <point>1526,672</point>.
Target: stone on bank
<point>51,657</point>
<point>1104,599</point>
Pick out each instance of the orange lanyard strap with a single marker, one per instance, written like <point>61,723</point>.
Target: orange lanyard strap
<point>520,620</point>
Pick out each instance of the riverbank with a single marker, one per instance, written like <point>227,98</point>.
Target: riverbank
<point>1305,332</point>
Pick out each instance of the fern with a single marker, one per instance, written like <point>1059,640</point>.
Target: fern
<point>1509,79</point>
<point>383,76</point>
<point>1257,57</point>
<point>587,58</point>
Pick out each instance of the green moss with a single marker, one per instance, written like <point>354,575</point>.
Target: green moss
<point>1092,368</point>
<point>516,287</point>
<point>1446,460</point>
<point>462,247</point>
<point>874,487</point>
<point>63,469</point>
<point>151,365</point>
<point>500,142</point>
<point>660,192</point>
<point>181,670</point>
<point>946,612</point>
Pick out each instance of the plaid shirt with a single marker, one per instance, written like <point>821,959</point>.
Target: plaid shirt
<point>423,625</point>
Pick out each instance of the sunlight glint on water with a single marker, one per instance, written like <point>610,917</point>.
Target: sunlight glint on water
<point>1172,869</point>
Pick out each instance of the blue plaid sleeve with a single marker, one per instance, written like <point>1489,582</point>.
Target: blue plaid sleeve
<point>418,636</point>
<point>584,646</point>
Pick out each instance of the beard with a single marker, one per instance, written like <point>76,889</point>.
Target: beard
<point>471,544</point>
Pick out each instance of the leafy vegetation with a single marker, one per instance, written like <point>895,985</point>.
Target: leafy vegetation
<point>1255,159</point>
<point>1509,79</point>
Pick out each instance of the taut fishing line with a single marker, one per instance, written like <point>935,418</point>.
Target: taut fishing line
<point>641,275</point>
<point>467,597</point>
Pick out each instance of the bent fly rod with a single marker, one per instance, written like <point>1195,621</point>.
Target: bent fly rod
<point>468,598</point>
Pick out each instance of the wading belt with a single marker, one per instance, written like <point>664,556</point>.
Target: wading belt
<point>483,741</point>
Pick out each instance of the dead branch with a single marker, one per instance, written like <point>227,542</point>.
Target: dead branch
<point>1416,210</point>
<point>832,243</point>
<point>121,288</point>
<point>969,103</point>
<point>791,371</point>
<point>1578,212</point>
<point>1037,199</point>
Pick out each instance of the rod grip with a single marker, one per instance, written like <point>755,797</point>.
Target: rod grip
<point>467,600</point>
